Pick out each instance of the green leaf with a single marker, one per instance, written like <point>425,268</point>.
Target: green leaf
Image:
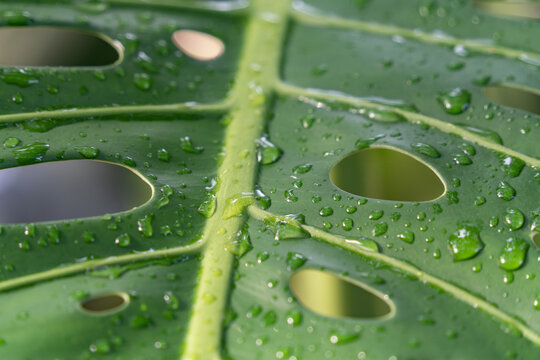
<point>359,146</point>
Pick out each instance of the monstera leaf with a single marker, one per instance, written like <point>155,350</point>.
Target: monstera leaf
<point>348,179</point>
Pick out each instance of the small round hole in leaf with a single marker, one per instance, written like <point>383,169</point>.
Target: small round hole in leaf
<point>105,303</point>
<point>387,174</point>
<point>56,46</point>
<point>330,295</point>
<point>198,45</point>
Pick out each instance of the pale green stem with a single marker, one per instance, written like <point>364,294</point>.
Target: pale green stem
<point>415,118</point>
<point>72,269</point>
<point>462,295</point>
<point>117,110</point>
<point>252,94</point>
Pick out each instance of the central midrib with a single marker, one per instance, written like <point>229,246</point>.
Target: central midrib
<point>252,93</point>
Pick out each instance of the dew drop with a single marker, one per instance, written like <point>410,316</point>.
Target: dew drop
<point>122,240</point>
<point>505,191</point>
<point>465,243</point>
<point>514,219</point>
<point>513,254</point>
<point>267,153</point>
<point>455,101</point>
<point>426,149</point>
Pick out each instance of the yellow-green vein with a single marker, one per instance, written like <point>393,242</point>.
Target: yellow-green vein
<point>189,107</point>
<point>254,88</point>
<point>72,269</point>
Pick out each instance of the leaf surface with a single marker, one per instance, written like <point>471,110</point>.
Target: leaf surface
<point>241,153</point>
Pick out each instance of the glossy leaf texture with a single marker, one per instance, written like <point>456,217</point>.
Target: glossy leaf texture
<point>386,153</point>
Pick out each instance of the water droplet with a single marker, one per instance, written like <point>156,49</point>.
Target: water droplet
<point>455,101</point>
<point>536,302</point>
<point>290,196</point>
<point>347,224</point>
<point>294,318</point>
<point>379,229</point>
<point>286,227</point>
<point>461,159</point>
<point>426,149</point>
<point>376,215</point>
<point>295,260</point>
<point>513,254</point>
<point>363,243</point>
<point>16,17</point>
<point>339,338</point>
<point>365,143</point>
<point>122,240</point>
<point>11,142</point>
<point>302,168</point>
<point>326,211</point>
<point>242,242</point>
<point>19,77</point>
<point>465,243</point>
<point>187,145</point>
<point>101,346</point>
<point>514,218</point>
<point>163,155</point>
<point>263,200</point>
<point>88,152</point>
<point>406,236</point>
<point>488,134</point>
<point>142,81</point>
<point>144,225</point>
<point>505,191</point>
<point>208,207</point>
<point>511,166</point>
<point>17,98</point>
<point>267,152</point>
<point>30,154</point>
<point>171,300</point>
<point>381,115</point>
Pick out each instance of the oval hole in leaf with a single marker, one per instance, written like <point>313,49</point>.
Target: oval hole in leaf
<point>105,303</point>
<point>56,46</point>
<point>69,189</point>
<point>387,174</point>
<point>198,45</point>
<point>536,239</point>
<point>330,295</point>
<point>525,9</point>
<point>513,96</point>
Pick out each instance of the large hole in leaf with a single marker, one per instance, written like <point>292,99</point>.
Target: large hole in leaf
<point>330,295</point>
<point>105,303</point>
<point>388,174</point>
<point>517,97</point>
<point>55,46</point>
<point>519,8</point>
<point>68,189</point>
<point>198,45</point>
